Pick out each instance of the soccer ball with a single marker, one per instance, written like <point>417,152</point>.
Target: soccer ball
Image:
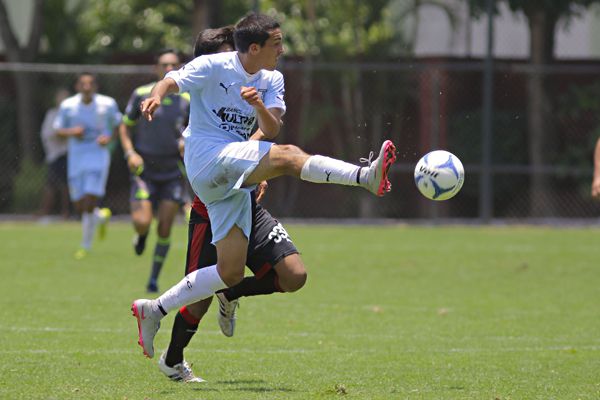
<point>439,175</point>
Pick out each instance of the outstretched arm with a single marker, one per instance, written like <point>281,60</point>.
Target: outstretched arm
<point>159,91</point>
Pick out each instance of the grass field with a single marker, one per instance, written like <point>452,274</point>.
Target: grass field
<point>392,312</point>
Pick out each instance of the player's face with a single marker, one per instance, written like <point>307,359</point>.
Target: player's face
<point>166,63</point>
<point>86,85</point>
<point>272,50</point>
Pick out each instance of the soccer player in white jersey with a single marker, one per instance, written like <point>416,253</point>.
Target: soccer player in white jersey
<point>88,120</point>
<point>230,92</point>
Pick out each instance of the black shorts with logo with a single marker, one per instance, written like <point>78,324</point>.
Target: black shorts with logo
<point>269,242</point>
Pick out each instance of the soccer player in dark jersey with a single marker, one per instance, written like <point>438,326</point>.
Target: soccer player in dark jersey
<point>153,153</point>
<point>272,257</point>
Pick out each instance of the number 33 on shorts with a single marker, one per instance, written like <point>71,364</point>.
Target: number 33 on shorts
<point>279,233</point>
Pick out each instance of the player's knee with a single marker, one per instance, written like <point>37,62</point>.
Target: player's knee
<point>231,278</point>
<point>285,158</point>
<point>294,281</point>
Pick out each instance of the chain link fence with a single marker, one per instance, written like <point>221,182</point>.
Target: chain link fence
<point>345,111</point>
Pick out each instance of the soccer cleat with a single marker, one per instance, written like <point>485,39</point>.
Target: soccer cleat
<point>226,314</point>
<point>377,173</point>
<point>139,243</point>
<point>181,372</point>
<point>80,254</point>
<point>148,324</point>
<point>104,215</point>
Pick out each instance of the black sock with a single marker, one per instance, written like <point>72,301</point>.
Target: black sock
<point>251,286</point>
<point>160,253</point>
<point>184,328</point>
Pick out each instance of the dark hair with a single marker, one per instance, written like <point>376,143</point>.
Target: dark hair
<point>253,28</point>
<point>164,51</point>
<point>210,40</point>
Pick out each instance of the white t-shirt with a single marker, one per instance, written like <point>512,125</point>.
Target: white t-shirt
<point>218,112</point>
<point>54,145</point>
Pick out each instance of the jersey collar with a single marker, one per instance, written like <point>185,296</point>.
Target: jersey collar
<point>240,68</point>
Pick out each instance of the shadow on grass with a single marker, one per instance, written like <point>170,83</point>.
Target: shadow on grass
<point>257,386</point>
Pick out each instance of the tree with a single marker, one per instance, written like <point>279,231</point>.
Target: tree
<point>542,17</point>
<point>27,126</point>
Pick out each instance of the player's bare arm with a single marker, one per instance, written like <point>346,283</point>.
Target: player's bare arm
<point>268,119</point>
<point>76,131</point>
<point>159,91</point>
<point>596,179</point>
<point>134,160</point>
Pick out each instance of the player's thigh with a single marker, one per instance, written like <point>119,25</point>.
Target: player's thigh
<point>170,197</point>
<point>227,170</point>
<point>281,160</point>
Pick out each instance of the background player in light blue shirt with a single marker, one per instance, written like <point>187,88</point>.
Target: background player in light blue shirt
<point>88,120</point>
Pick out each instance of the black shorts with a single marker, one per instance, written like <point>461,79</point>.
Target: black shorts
<point>269,243</point>
<point>157,190</point>
<point>57,171</point>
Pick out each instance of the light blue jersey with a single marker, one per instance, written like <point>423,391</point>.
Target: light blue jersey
<point>216,162</point>
<point>86,158</point>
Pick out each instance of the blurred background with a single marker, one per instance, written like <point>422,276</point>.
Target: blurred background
<point>511,87</point>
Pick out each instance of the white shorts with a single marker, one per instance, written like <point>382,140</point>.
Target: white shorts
<point>218,180</point>
<point>87,183</point>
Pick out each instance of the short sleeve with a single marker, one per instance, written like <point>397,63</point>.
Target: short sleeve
<point>115,114</point>
<point>192,76</point>
<point>274,96</point>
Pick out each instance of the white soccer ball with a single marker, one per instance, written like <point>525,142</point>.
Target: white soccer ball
<point>439,175</point>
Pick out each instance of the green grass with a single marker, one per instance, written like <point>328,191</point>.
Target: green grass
<point>391,312</point>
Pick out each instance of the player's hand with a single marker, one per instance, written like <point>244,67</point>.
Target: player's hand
<point>103,140</point>
<point>251,96</point>
<point>261,189</point>
<point>135,162</point>
<point>596,189</point>
<point>77,132</point>
<point>148,106</point>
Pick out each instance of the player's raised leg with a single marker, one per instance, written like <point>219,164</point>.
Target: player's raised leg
<point>291,160</point>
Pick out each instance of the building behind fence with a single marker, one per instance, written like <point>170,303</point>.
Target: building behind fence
<point>346,110</point>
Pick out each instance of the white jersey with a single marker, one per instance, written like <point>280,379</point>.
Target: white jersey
<point>217,110</point>
<point>99,117</point>
<point>218,114</point>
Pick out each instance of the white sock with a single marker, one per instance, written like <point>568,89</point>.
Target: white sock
<point>88,225</point>
<point>196,286</point>
<point>320,169</point>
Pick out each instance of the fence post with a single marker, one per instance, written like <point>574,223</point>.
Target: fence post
<point>486,198</point>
